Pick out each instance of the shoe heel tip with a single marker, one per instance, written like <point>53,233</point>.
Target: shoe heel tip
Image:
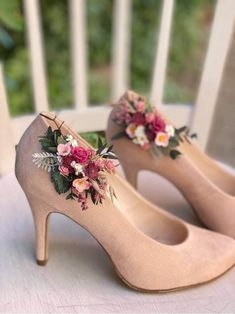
<point>41,263</point>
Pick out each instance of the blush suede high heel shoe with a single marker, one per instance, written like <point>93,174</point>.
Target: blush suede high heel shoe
<point>145,140</point>
<point>150,249</point>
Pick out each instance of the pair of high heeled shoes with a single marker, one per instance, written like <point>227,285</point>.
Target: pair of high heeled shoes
<point>151,250</point>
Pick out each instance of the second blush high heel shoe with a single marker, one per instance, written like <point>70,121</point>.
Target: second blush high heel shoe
<point>150,249</point>
<point>144,140</point>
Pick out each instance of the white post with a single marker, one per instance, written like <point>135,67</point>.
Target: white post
<point>221,33</point>
<point>162,53</point>
<point>121,47</point>
<point>79,53</point>
<point>6,135</point>
<point>32,13</point>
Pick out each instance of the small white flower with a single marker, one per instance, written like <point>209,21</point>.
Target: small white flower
<point>139,131</point>
<point>77,167</point>
<point>170,130</point>
<point>141,140</point>
<point>70,139</point>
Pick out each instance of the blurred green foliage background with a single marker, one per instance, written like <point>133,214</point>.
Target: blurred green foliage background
<point>190,31</point>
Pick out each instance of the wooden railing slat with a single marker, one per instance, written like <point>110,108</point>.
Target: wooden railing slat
<point>219,42</point>
<point>121,47</point>
<point>6,135</point>
<point>161,57</point>
<point>79,52</point>
<point>32,14</point>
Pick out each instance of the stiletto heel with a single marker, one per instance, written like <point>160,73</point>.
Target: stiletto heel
<point>151,250</point>
<point>40,217</point>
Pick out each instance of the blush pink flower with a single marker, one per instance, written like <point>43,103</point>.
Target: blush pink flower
<point>81,155</point>
<point>130,130</point>
<point>64,149</point>
<point>150,116</point>
<point>140,106</point>
<point>158,124</point>
<point>99,163</point>
<point>64,171</point>
<point>81,184</point>
<point>109,166</point>
<point>162,139</point>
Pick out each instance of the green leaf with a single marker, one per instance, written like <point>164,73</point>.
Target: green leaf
<point>119,135</point>
<point>194,135</point>
<point>100,143</point>
<point>49,133</point>
<point>110,149</point>
<point>182,129</point>
<point>93,194</point>
<point>10,15</point>
<point>45,140</point>
<point>174,153</point>
<point>61,140</point>
<point>70,196</point>
<point>56,135</point>
<point>173,142</point>
<point>101,148</point>
<point>61,184</point>
<point>110,156</point>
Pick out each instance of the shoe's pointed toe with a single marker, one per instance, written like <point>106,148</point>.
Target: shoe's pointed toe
<point>212,253</point>
<point>202,257</point>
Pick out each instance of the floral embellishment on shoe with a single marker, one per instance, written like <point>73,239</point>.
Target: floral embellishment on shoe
<point>144,126</point>
<point>80,171</point>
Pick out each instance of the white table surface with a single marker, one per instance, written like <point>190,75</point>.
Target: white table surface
<point>78,277</point>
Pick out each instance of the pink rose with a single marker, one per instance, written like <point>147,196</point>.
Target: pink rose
<point>64,149</point>
<point>81,155</point>
<point>158,124</point>
<point>149,117</point>
<point>64,171</point>
<point>91,170</point>
<point>140,106</point>
<point>138,118</point>
<point>109,166</point>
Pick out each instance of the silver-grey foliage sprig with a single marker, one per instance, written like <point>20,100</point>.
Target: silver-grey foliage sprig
<point>45,160</point>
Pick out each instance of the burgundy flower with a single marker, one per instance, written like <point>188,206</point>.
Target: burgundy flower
<point>91,170</point>
<point>138,118</point>
<point>81,155</point>
<point>158,124</point>
<point>67,163</point>
<point>150,135</point>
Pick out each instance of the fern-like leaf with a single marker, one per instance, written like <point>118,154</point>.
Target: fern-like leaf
<point>46,161</point>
